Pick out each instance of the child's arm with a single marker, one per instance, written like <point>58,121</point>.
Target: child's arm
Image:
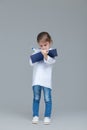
<point>31,62</point>
<point>45,54</point>
<point>47,58</point>
<point>41,54</point>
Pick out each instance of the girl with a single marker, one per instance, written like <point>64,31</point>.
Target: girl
<point>42,78</point>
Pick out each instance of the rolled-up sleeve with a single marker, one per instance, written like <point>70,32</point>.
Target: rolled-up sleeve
<point>30,62</point>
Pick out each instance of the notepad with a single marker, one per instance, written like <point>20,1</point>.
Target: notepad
<point>39,56</point>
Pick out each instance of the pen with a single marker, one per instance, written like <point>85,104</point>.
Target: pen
<point>33,49</point>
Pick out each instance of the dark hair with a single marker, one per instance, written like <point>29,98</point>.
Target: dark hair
<point>44,36</point>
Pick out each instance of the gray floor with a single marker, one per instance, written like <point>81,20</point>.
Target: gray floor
<point>14,120</point>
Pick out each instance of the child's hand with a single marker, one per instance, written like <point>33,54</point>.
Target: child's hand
<point>44,52</point>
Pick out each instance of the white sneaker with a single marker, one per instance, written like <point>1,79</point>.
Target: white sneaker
<point>47,120</point>
<point>35,120</point>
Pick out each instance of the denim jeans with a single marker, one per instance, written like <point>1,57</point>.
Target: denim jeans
<point>47,99</point>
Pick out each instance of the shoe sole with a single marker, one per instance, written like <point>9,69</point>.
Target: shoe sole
<point>35,122</point>
<point>46,123</point>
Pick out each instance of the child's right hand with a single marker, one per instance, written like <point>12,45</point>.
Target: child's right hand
<point>44,52</point>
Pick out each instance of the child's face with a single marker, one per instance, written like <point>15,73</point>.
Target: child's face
<point>44,45</point>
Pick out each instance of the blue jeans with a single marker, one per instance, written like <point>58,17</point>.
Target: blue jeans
<point>47,99</point>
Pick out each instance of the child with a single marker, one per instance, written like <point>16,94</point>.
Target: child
<point>42,76</point>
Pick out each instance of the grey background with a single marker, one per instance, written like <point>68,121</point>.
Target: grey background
<point>20,22</point>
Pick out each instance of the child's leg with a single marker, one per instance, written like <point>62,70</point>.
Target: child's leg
<point>36,99</point>
<point>48,101</point>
